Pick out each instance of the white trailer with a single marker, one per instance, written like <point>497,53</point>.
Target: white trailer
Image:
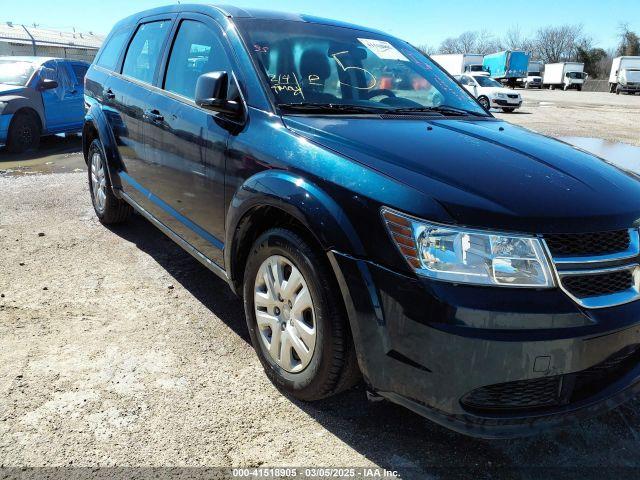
<point>625,75</point>
<point>564,75</point>
<point>459,63</point>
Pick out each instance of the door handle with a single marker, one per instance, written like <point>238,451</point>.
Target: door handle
<point>73,92</point>
<point>153,115</point>
<point>109,94</point>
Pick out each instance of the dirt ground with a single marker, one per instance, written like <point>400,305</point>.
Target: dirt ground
<point>118,349</point>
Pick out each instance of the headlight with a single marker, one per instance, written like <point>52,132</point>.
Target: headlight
<point>2,106</point>
<point>501,95</point>
<point>469,256</point>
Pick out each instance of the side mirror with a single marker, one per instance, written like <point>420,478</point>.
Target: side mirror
<point>47,84</point>
<point>212,94</point>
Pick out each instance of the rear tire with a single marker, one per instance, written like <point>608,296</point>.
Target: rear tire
<point>24,133</point>
<point>326,363</point>
<point>109,208</point>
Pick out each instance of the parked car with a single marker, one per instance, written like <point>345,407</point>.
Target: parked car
<point>625,75</point>
<point>565,75</point>
<point>490,93</point>
<point>534,75</point>
<point>39,96</point>
<point>471,270</point>
<point>507,66</point>
<point>459,63</point>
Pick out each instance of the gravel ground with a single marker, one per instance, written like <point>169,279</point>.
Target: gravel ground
<point>118,349</point>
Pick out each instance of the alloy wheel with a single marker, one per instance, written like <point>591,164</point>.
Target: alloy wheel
<point>98,181</point>
<point>284,313</point>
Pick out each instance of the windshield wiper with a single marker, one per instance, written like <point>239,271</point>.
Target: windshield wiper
<point>443,109</point>
<point>330,108</point>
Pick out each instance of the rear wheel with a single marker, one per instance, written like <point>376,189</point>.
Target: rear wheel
<point>24,133</point>
<point>297,326</point>
<point>107,206</point>
<point>484,101</point>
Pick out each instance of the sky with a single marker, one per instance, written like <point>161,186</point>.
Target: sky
<point>419,22</point>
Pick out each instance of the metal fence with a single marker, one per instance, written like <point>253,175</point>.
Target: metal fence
<point>23,40</point>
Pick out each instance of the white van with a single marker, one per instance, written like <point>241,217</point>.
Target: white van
<point>459,63</point>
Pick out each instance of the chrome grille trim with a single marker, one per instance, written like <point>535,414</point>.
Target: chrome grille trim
<point>568,266</point>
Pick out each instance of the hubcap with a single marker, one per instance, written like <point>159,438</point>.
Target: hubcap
<point>284,314</point>
<point>98,181</point>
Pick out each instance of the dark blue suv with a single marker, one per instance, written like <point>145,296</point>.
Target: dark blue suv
<point>375,219</point>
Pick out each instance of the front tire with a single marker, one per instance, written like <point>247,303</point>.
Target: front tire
<point>484,102</point>
<point>108,207</point>
<point>297,324</point>
<point>24,133</point>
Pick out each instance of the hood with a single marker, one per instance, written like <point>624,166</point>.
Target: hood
<point>487,173</point>
<point>10,89</point>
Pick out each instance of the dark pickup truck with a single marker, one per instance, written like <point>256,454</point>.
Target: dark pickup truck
<point>376,220</point>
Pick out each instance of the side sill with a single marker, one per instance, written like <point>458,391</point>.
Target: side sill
<point>207,262</point>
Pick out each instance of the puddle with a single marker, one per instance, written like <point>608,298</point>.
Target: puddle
<point>57,154</point>
<point>621,154</point>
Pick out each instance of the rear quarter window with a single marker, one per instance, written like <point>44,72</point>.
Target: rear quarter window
<point>111,51</point>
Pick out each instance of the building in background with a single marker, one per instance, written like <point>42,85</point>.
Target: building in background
<point>23,40</point>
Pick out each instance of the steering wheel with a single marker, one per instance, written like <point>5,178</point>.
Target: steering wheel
<point>380,91</point>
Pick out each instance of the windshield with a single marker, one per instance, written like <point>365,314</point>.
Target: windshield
<point>533,74</point>
<point>488,82</point>
<point>576,75</point>
<point>475,68</point>
<point>632,75</point>
<point>308,63</point>
<point>14,72</point>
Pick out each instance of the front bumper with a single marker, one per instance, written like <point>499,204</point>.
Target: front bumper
<point>5,121</point>
<point>509,102</point>
<point>630,88</point>
<point>427,345</point>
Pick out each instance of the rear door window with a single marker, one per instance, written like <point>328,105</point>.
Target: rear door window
<point>196,50</point>
<point>145,50</point>
<point>111,52</point>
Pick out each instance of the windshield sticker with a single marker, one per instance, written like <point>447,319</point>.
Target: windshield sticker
<point>286,83</point>
<point>383,49</point>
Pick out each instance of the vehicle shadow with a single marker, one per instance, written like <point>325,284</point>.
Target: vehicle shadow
<point>395,438</point>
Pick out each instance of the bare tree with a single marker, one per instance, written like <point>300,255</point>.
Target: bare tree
<point>556,44</point>
<point>427,49</point>
<point>629,41</point>
<point>469,42</point>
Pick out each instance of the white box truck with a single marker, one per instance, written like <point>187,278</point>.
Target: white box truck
<point>534,75</point>
<point>565,75</point>
<point>625,75</point>
<point>459,63</point>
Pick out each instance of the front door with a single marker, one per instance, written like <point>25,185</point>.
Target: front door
<point>187,143</point>
<point>63,108</point>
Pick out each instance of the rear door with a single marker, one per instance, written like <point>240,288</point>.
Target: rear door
<point>187,143</point>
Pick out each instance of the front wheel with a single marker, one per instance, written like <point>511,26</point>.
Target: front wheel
<point>107,206</point>
<point>24,133</point>
<point>297,325</point>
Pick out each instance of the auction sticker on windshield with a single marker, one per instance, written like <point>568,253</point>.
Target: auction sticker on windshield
<point>383,49</point>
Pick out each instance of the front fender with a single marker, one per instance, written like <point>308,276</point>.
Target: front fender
<point>31,102</point>
<point>95,118</point>
<point>301,199</point>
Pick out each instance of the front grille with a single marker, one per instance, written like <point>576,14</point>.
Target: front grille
<point>583,286</point>
<point>512,96</point>
<point>586,244</point>
<point>552,391</point>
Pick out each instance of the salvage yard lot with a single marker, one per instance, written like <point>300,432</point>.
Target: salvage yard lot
<point>117,348</point>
